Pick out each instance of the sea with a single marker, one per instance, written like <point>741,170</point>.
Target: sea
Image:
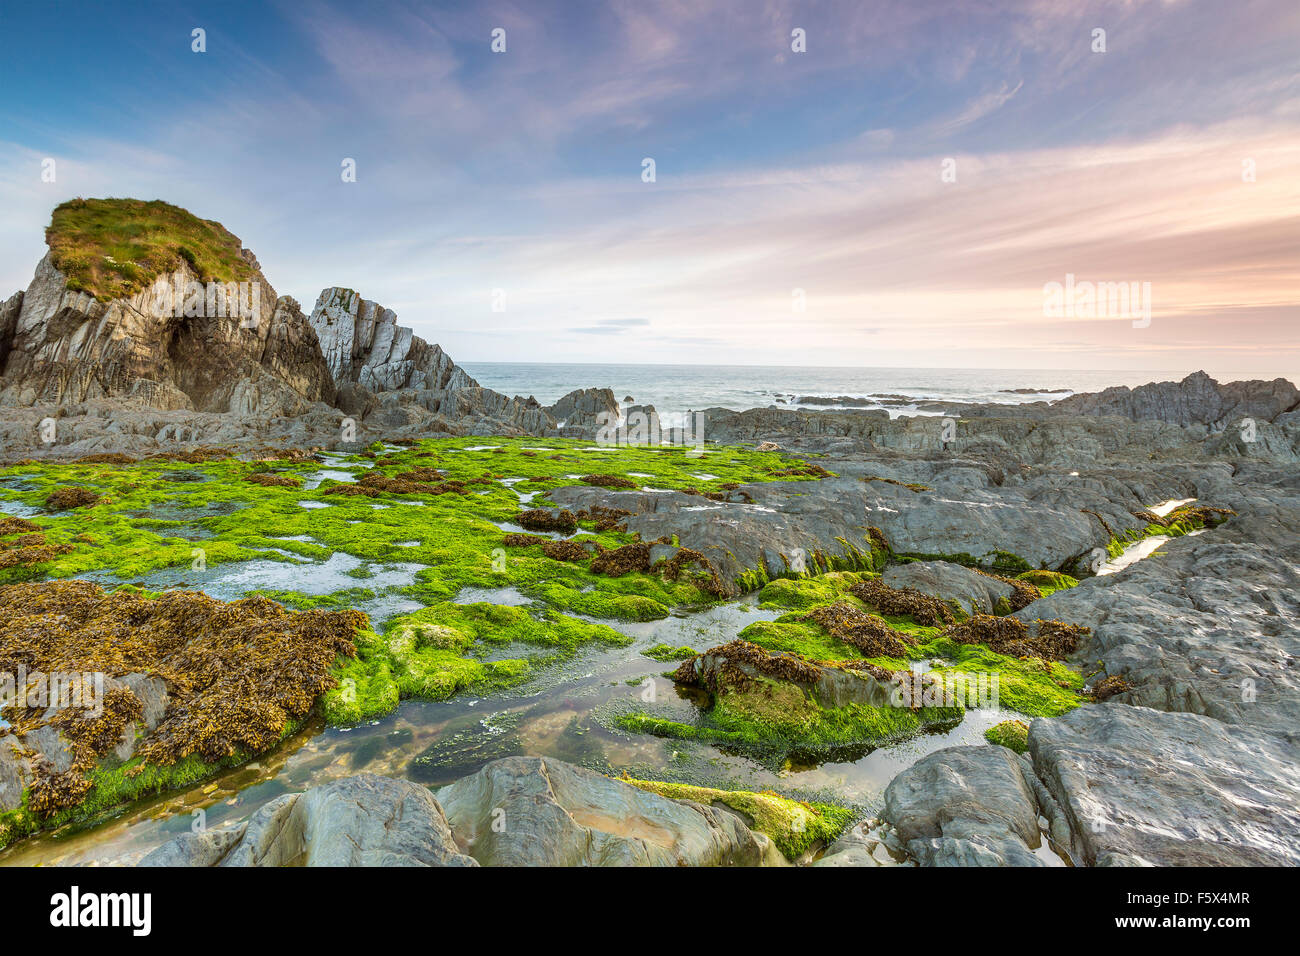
<point>675,390</point>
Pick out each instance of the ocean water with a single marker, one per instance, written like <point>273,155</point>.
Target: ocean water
<point>677,389</point>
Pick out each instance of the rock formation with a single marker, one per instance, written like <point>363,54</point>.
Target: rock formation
<point>1197,399</point>
<point>62,347</point>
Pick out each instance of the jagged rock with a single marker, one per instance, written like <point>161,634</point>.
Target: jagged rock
<point>384,371</point>
<point>363,344</point>
<point>583,407</point>
<point>1197,399</point>
<point>534,811</point>
<point>366,820</point>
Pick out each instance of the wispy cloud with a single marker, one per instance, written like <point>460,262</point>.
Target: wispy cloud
<point>776,170</point>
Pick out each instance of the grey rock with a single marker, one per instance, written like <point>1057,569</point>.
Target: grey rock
<point>1141,787</point>
<point>366,820</point>
<point>1196,399</point>
<point>583,409</point>
<point>950,582</point>
<point>966,806</point>
<point>534,811</point>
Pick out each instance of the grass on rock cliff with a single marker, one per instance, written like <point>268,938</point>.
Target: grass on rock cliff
<point>114,248</point>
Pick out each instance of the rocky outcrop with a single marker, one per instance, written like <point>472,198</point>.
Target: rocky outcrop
<point>366,820</point>
<point>767,525</point>
<point>386,373</point>
<point>363,345</point>
<point>583,408</point>
<point>67,347</point>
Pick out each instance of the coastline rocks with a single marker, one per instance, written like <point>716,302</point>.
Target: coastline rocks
<point>1197,399</point>
<point>534,811</point>
<point>366,820</point>
<point>1210,624</point>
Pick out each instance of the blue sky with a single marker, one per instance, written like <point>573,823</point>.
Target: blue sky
<point>776,171</point>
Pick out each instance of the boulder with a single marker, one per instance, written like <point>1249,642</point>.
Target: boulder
<point>535,811</point>
<point>950,582</point>
<point>966,806</point>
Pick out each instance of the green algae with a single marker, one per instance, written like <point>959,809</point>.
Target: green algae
<point>1012,734</point>
<point>795,827</point>
<point>1048,582</point>
<point>1029,686</point>
<point>159,514</point>
<point>779,718</point>
<point>298,601</point>
<point>666,652</point>
<point>797,594</point>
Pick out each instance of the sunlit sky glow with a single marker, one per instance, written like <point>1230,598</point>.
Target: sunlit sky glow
<point>776,170</point>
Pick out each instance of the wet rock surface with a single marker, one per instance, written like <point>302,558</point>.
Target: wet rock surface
<point>366,820</point>
<point>965,806</point>
<point>533,811</point>
<point>1141,787</point>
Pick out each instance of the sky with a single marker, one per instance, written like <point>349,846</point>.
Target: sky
<point>902,191</point>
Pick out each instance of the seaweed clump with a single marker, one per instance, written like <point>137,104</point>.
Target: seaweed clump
<point>616,561</point>
<point>710,582</point>
<point>866,632</point>
<point>1023,592</point>
<point>237,674</point>
<point>563,550</point>
<point>921,607</point>
<point>270,480</point>
<point>1012,734</point>
<point>373,485</point>
<point>543,519</point>
<point>71,496</point>
<point>1051,640</point>
<point>1109,686</point>
<point>516,540</point>
<point>608,481</point>
<point>606,519</point>
<point>733,657</point>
